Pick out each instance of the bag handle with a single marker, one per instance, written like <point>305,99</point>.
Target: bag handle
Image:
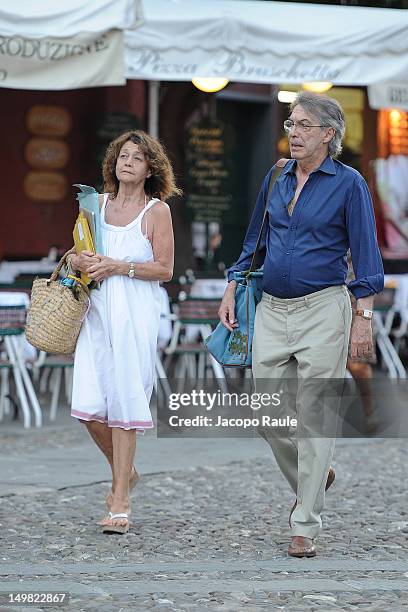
<point>280,164</point>
<point>60,265</point>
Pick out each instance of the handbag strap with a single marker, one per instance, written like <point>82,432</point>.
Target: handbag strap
<point>60,265</point>
<point>280,164</point>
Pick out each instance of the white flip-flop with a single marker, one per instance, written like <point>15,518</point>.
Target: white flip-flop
<point>117,528</point>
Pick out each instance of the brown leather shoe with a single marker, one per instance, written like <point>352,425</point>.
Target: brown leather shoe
<point>330,479</point>
<point>301,547</point>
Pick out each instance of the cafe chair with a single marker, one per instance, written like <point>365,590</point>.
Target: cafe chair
<point>195,318</point>
<point>384,312</point>
<point>12,323</point>
<point>48,370</point>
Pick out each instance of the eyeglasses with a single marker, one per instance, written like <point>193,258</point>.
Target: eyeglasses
<point>303,126</point>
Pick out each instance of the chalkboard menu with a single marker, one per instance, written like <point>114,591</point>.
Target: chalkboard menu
<point>113,124</point>
<point>209,171</point>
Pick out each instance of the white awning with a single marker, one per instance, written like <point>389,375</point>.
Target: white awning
<point>268,42</point>
<point>64,45</point>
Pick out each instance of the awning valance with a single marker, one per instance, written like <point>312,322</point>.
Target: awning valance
<point>268,42</point>
<point>64,45</point>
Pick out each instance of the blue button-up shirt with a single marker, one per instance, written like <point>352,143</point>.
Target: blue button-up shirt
<point>307,251</point>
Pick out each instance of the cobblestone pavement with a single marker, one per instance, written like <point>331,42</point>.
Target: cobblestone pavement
<point>214,538</point>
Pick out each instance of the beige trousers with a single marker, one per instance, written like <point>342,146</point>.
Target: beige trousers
<point>303,338</point>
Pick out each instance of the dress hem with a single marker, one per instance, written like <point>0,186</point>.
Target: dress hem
<point>138,425</point>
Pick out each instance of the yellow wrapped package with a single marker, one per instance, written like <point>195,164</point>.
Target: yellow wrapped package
<point>83,240</point>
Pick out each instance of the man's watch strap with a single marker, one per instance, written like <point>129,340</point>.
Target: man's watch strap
<point>365,313</point>
<point>131,272</point>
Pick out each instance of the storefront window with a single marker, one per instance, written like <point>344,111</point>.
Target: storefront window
<point>391,172</point>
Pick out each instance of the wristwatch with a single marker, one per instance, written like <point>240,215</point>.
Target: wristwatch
<point>131,273</point>
<point>365,313</point>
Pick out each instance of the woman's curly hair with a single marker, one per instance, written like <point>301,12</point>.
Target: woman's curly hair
<point>161,184</point>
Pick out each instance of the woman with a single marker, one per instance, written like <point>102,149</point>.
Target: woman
<point>116,351</point>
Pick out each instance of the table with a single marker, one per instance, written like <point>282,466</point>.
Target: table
<point>9,270</point>
<point>15,345</point>
<point>383,319</point>
<point>208,287</point>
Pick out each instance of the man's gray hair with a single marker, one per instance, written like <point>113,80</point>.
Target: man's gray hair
<point>329,113</point>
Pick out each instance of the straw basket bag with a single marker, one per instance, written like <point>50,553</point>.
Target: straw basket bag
<point>56,314</point>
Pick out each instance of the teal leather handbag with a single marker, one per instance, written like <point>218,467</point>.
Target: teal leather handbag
<point>234,348</point>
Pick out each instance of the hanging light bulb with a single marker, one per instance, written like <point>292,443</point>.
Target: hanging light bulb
<point>210,84</point>
<point>317,86</point>
<point>287,96</point>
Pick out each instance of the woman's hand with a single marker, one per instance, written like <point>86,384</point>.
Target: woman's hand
<point>105,267</point>
<point>83,261</point>
<point>226,311</point>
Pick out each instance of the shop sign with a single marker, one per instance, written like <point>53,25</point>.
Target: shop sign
<point>388,95</point>
<point>45,186</point>
<point>88,60</point>
<point>47,153</point>
<point>174,64</point>
<point>48,120</point>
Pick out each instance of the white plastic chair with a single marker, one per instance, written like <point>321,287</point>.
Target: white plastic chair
<point>385,310</point>
<point>12,322</point>
<point>48,370</point>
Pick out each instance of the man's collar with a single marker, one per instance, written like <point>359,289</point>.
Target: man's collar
<point>327,166</point>
<point>290,167</point>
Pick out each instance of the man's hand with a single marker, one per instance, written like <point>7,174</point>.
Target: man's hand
<point>361,341</point>
<point>226,311</point>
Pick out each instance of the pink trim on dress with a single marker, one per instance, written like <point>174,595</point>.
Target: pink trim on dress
<point>124,424</point>
<point>86,417</point>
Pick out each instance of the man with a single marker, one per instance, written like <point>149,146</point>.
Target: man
<point>317,209</point>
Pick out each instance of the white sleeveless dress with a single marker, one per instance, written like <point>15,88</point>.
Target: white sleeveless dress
<point>115,357</point>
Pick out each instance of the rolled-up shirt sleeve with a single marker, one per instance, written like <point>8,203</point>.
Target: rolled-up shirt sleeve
<point>365,253</point>
<point>244,260</point>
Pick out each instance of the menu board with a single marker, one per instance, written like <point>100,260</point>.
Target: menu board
<point>209,170</point>
<point>113,124</point>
